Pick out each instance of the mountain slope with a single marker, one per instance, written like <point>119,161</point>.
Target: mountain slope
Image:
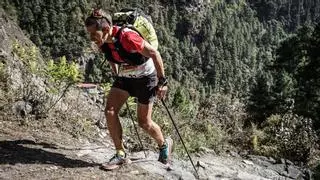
<point>67,144</point>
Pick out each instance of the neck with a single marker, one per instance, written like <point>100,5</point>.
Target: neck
<point>108,36</point>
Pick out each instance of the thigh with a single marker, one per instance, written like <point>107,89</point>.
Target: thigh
<point>146,91</point>
<point>116,98</point>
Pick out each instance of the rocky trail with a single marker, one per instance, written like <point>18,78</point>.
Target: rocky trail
<point>30,153</point>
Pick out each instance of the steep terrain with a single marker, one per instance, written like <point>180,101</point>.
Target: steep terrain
<point>47,153</point>
<point>55,147</point>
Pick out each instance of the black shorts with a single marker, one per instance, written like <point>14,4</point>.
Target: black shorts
<point>143,88</point>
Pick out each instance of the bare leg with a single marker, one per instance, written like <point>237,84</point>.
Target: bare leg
<point>115,100</point>
<point>146,123</point>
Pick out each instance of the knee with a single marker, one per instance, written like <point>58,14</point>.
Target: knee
<point>146,125</point>
<point>110,112</point>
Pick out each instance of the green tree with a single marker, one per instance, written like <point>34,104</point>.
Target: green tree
<point>260,101</point>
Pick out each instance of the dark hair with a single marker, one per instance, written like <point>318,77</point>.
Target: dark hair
<point>98,17</point>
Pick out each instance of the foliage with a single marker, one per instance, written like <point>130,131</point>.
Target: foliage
<point>218,54</point>
<point>28,86</point>
<point>54,26</point>
<point>201,134</point>
<point>62,76</point>
<point>106,87</point>
<point>291,136</point>
<point>290,13</point>
<point>218,121</point>
<point>3,84</point>
<point>29,56</point>
<point>317,172</point>
<point>2,74</point>
<point>182,103</point>
<point>296,84</point>
<point>63,71</point>
<point>223,111</point>
<point>260,104</point>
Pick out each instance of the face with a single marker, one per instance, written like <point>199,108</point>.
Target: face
<point>98,36</point>
<point>95,35</point>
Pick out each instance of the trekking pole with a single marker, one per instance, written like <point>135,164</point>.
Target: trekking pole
<point>135,128</point>
<point>175,126</point>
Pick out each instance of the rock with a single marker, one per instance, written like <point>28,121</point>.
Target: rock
<point>244,153</point>
<point>53,167</point>
<point>21,108</point>
<point>134,172</point>
<point>233,153</point>
<point>245,175</point>
<point>279,168</point>
<point>271,160</point>
<point>83,152</point>
<point>99,100</point>
<point>288,162</point>
<point>3,54</point>
<point>207,150</point>
<point>102,134</point>
<point>248,162</point>
<point>261,160</point>
<point>294,172</point>
<point>201,164</point>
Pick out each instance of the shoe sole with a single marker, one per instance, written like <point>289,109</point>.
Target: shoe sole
<point>110,167</point>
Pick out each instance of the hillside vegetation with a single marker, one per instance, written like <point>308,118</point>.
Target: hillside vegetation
<point>243,74</point>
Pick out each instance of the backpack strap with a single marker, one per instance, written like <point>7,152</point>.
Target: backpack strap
<point>108,53</point>
<point>130,58</point>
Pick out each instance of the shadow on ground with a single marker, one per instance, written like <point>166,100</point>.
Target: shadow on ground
<point>13,152</point>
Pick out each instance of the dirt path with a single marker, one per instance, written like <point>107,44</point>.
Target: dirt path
<point>30,153</point>
<point>33,153</point>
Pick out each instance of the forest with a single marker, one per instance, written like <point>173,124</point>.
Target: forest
<point>241,72</point>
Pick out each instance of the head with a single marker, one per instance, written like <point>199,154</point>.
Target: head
<point>99,25</point>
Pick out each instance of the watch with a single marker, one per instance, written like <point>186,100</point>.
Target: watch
<point>162,81</point>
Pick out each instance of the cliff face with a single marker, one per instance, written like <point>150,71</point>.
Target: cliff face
<point>19,87</point>
<point>9,31</point>
<point>10,34</point>
<point>26,87</point>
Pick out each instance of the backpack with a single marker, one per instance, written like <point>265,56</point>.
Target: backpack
<point>138,21</point>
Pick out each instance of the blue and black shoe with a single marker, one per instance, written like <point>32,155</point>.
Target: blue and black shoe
<point>165,151</point>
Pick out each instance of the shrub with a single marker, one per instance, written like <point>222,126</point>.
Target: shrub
<point>62,76</point>
<point>198,135</point>
<point>289,136</point>
<point>213,123</point>
<point>63,72</point>
<point>34,73</point>
<point>3,75</point>
<point>317,172</point>
<point>29,56</point>
<point>3,85</point>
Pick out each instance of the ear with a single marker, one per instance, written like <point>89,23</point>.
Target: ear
<point>105,27</point>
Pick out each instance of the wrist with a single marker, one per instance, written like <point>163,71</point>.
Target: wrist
<point>162,81</point>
